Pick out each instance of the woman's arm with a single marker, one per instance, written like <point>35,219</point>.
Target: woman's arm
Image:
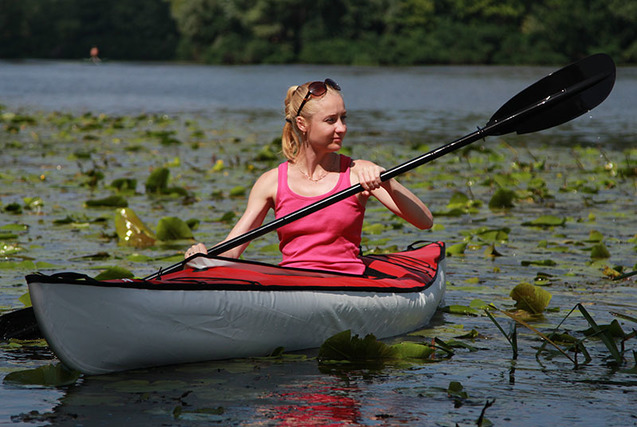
<point>396,197</point>
<point>261,200</point>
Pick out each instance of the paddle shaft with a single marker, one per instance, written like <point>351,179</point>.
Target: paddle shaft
<point>491,128</point>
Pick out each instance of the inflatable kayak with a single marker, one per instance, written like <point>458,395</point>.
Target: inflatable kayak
<point>218,308</point>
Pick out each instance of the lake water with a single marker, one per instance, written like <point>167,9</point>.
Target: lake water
<point>392,113</point>
<point>398,99</point>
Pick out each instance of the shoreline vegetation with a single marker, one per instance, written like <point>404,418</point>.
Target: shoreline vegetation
<point>344,32</point>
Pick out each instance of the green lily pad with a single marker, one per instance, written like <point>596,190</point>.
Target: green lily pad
<point>373,228</point>
<point>460,309</point>
<point>115,272</point>
<point>413,350</point>
<point>157,182</point>
<point>456,390</point>
<point>113,201</point>
<point>546,221</point>
<point>595,236</point>
<point>543,263</point>
<point>127,185</point>
<point>25,299</point>
<point>49,375</point>
<point>33,203</point>
<point>238,191</point>
<point>600,251</point>
<point>14,227</point>
<point>173,228</point>
<point>131,231</point>
<point>457,249</point>
<point>533,299</point>
<point>502,199</point>
<point>345,347</point>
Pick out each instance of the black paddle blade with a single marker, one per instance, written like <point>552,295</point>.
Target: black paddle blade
<point>581,86</point>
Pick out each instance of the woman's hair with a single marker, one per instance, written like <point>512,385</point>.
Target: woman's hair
<point>292,138</point>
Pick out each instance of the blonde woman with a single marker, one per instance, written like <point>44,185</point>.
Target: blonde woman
<point>329,239</point>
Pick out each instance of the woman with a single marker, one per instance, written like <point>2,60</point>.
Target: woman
<point>329,239</point>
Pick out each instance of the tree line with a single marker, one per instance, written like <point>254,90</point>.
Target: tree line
<point>350,32</point>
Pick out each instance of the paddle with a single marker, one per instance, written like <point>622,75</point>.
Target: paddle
<point>557,98</point>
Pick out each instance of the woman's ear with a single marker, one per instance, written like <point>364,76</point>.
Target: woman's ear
<point>301,123</point>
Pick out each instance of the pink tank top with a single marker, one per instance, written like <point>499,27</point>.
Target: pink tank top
<point>325,240</point>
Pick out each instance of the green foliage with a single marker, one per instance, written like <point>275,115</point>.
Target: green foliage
<point>530,298</point>
<point>131,231</point>
<point>355,32</point>
<point>141,30</point>
<point>173,228</point>
<point>48,375</point>
<point>113,201</point>
<point>115,272</point>
<point>345,348</point>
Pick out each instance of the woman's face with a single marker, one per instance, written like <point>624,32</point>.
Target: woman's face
<point>326,128</point>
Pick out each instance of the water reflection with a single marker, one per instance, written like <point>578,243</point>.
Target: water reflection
<point>313,403</point>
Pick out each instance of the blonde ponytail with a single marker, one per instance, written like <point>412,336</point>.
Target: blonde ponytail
<point>291,139</point>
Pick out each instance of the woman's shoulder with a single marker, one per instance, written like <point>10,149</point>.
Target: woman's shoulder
<point>268,180</point>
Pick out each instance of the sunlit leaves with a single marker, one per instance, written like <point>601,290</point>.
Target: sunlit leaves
<point>173,228</point>
<point>533,299</point>
<point>345,348</point>
<point>131,231</point>
<point>456,249</point>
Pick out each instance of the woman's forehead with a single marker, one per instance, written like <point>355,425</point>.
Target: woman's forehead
<point>331,103</point>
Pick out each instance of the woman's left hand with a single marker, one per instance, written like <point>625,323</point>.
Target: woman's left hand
<point>198,248</point>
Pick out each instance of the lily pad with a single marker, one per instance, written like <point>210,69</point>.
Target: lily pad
<point>461,309</point>
<point>157,182</point>
<point>533,299</point>
<point>546,221</point>
<point>600,251</point>
<point>115,272</point>
<point>131,231</point>
<point>173,228</point>
<point>345,347</point>
<point>502,199</point>
<point>49,375</point>
<point>114,201</point>
<point>457,249</point>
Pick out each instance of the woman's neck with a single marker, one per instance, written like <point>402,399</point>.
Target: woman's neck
<point>315,168</point>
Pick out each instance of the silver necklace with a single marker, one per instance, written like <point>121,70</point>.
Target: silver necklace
<point>314,180</point>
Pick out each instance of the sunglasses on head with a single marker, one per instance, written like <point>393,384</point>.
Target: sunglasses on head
<point>317,89</point>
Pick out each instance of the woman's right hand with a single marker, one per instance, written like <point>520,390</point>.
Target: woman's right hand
<point>198,248</point>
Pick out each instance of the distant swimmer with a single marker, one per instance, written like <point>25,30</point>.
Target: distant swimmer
<point>94,55</point>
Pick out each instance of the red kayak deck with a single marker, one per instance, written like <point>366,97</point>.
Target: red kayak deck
<point>409,271</point>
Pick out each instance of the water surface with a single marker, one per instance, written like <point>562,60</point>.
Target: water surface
<point>394,115</point>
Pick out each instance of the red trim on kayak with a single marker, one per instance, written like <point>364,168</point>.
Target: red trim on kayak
<point>408,271</point>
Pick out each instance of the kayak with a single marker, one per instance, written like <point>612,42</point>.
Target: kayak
<point>220,308</point>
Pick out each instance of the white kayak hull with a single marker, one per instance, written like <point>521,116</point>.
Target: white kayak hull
<point>101,329</point>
